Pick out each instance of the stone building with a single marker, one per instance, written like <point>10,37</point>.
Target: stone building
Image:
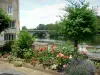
<point>11,7</point>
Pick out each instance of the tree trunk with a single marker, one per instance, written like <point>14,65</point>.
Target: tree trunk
<point>75,53</point>
<point>76,44</point>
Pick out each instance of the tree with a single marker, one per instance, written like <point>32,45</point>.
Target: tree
<point>98,21</point>
<point>52,27</point>
<point>41,27</point>
<point>4,20</point>
<point>79,22</point>
<point>24,28</point>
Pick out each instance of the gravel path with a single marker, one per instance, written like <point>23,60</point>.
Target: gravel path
<point>9,69</point>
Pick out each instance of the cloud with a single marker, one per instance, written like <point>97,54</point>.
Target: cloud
<point>43,15</point>
<point>35,12</point>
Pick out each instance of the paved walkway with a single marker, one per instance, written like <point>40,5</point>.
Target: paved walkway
<point>9,69</point>
<point>94,55</point>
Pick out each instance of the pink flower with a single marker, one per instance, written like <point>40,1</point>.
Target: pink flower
<point>61,55</point>
<point>57,56</point>
<point>83,52</point>
<point>64,66</point>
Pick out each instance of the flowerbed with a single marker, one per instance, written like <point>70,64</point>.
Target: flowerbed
<point>61,58</point>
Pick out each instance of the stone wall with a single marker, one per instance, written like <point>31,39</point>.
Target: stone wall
<point>15,15</point>
<point>38,45</point>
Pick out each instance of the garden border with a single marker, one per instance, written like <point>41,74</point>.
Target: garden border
<point>26,65</point>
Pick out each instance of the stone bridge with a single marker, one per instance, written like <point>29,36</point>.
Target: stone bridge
<point>45,32</point>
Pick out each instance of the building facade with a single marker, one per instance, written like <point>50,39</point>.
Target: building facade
<point>11,7</point>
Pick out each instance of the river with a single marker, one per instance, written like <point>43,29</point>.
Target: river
<point>52,41</point>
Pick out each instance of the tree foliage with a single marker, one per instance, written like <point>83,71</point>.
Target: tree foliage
<point>98,21</point>
<point>41,27</point>
<point>22,45</point>
<point>79,21</point>
<point>24,28</point>
<point>51,27</point>
<point>4,20</point>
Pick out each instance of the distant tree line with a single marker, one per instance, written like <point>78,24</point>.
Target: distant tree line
<point>56,30</point>
<point>53,30</point>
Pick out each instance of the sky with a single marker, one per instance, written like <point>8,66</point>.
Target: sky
<point>35,12</point>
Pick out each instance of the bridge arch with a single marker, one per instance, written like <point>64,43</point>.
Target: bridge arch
<point>40,33</point>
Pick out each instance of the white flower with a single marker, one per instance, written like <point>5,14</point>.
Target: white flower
<point>54,66</point>
<point>70,56</point>
<point>63,47</point>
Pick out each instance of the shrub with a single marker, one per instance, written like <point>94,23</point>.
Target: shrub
<point>45,57</point>
<point>80,67</point>
<point>7,47</point>
<point>23,53</point>
<point>58,55</point>
<point>18,63</point>
<point>79,70</point>
<point>97,64</point>
<point>11,58</point>
<point>25,40</point>
<point>63,54</point>
<point>22,45</point>
<point>68,48</point>
<point>28,54</point>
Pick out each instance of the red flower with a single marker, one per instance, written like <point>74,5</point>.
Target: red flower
<point>66,57</point>
<point>83,52</point>
<point>41,49</point>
